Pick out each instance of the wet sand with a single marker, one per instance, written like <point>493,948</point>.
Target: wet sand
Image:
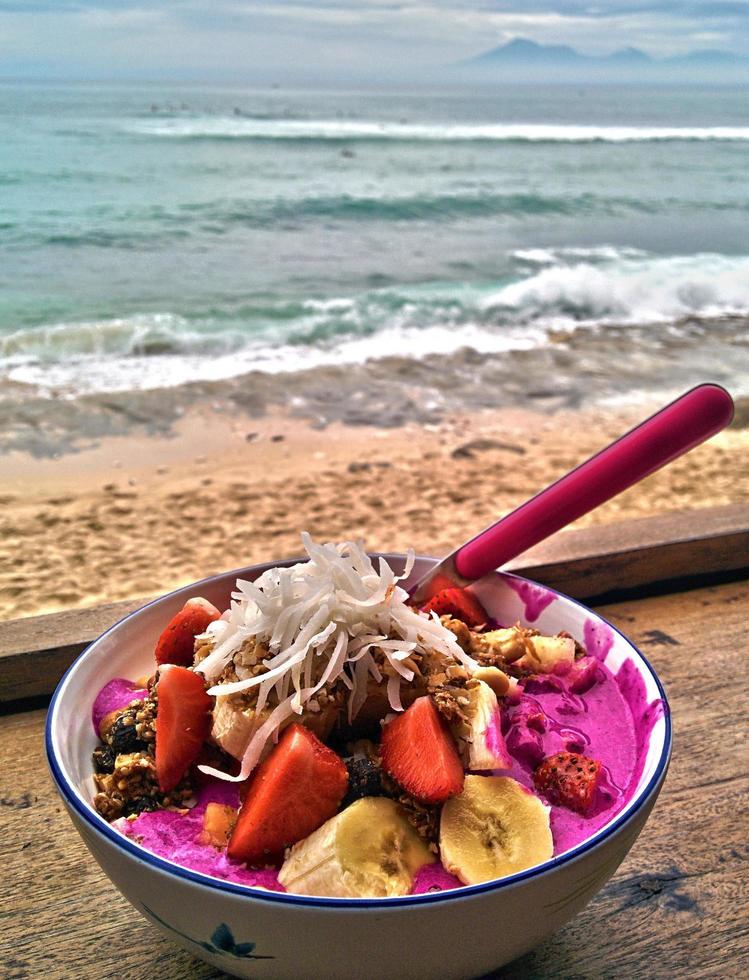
<point>138,514</point>
<point>588,367</point>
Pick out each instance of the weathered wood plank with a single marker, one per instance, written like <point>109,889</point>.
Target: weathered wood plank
<point>632,554</point>
<point>678,906</point>
<point>36,651</point>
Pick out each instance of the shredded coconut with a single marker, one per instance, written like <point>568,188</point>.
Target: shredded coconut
<point>335,606</point>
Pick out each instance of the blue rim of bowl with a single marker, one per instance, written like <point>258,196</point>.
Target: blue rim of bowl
<point>283,898</point>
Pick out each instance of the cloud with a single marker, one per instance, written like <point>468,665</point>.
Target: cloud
<point>265,39</point>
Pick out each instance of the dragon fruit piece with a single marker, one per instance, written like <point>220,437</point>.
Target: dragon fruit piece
<point>524,739</point>
<point>583,675</point>
<point>480,737</point>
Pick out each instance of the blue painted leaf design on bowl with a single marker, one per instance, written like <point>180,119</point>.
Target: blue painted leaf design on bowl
<point>221,943</point>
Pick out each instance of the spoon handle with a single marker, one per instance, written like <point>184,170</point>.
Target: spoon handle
<point>672,431</point>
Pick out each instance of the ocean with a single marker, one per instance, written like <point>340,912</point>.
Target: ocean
<point>485,247</point>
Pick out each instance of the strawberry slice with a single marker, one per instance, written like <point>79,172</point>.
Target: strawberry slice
<point>183,723</point>
<point>458,603</point>
<point>568,779</point>
<point>293,792</point>
<point>418,751</point>
<point>175,645</point>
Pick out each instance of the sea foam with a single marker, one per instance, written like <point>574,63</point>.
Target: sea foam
<point>550,290</point>
<point>209,127</point>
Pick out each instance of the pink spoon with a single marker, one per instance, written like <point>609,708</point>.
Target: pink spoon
<point>670,433</point>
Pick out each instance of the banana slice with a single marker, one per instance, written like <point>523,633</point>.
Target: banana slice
<point>232,725</point>
<point>494,828</point>
<point>370,850</point>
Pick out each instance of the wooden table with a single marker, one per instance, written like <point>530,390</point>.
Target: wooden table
<point>677,907</point>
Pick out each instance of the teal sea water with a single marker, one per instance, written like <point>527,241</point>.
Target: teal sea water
<point>151,236</point>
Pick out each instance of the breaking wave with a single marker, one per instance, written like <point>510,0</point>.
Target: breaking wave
<point>231,128</point>
<point>547,290</point>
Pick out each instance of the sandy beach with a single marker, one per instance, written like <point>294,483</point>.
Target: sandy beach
<point>136,515</point>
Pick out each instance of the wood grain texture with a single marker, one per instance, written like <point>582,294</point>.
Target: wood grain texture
<point>36,651</point>
<point>631,554</point>
<point>677,907</point>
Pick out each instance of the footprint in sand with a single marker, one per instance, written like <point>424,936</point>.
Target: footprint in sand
<point>64,597</point>
<point>118,511</point>
<point>12,591</point>
<point>17,531</point>
<point>179,498</point>
<point>47,520</point>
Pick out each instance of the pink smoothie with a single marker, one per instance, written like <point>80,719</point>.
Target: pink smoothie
<point>581,711</point>
<point>585,709</point>
<point>174,836</point>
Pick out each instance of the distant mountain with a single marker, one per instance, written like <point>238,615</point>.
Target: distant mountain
<point>525,59</point>
<point>521,49</point>
<point>629,56</point>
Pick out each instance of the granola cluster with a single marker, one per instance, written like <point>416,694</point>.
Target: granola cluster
<point>125,764</point>
<point>423,817</point>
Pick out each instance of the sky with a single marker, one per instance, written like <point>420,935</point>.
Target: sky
<point>284,40</point>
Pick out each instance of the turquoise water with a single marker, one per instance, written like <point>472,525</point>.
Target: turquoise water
<point>152,235</point>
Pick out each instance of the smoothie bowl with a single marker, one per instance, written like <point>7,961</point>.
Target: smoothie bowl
<point>324,782</point>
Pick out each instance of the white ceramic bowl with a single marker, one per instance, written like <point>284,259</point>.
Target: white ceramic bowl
<point>253,933</point>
